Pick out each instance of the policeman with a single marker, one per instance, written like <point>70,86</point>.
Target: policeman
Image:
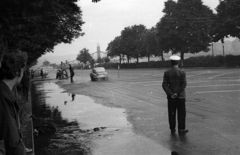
<point>174,84</point>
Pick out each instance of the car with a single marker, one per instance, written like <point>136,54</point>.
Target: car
<point>98,73</point>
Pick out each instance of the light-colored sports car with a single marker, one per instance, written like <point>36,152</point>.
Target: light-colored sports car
<point>98,73</point>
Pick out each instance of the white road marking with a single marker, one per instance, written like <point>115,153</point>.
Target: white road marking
<point>144,82</point>
<point>229,80</point>
<point>196,74</point>
<point>198,81</point>
<point>160,83</point>
<point>157,74</point>
<point>214,85</point>
<point>156,84</point>
<point>221,75</point>
<point>220,91</point>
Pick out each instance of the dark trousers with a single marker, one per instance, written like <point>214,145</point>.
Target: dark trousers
<point>71,76</point>
<point>176,106</point>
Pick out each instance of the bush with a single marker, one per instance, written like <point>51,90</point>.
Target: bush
<point>200,61</point>
<point>232,61</point>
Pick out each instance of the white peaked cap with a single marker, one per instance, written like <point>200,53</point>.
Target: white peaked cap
<point>175,58</point>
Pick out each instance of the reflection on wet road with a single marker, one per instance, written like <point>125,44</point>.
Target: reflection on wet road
<point>73,124</point>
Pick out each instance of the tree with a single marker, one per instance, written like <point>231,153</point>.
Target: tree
<point>115,48</point>
<point>46,63</point>
<point>130,38</point>
<point>185,27</point>
<point>228,18</point>
<point>106,59</point>
<point>226,21</point>
<point>92,62</point>
<point>84,56</point>
<point>150,43</point>
<point>100,60</point>
<point>36,26</point>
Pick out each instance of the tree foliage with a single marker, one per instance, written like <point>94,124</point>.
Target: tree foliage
<point>227,20</point>
<point>149,42</point>
<point>185,27</point>
<point>46,63</point>
<point>36,26</point>
<point>84,56</point>
<point>106,59</point>
<point>115,48</point>
<point>130,38</point>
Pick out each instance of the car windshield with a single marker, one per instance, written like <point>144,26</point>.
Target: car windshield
<point>100,69</point>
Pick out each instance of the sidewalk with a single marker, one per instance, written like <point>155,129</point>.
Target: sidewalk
<point>27,126</point>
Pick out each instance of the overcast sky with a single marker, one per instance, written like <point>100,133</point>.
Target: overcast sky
<point>106,19</point>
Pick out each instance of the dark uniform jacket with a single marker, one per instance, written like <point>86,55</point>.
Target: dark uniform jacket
<point>71,71</point>
<point>10,135</point>
<point>174,81</point>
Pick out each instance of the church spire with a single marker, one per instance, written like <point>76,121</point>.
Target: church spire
<point>98,51</point>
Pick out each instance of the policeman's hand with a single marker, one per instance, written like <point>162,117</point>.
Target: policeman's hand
<point>174,96</point>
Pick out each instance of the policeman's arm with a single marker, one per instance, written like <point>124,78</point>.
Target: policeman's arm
<point>165,85</point>
<point>183,83</point>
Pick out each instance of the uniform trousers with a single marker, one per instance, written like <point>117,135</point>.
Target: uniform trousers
<point>176,106</point>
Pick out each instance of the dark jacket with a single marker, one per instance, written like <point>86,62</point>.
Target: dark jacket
<point>71,71</point>
<point>10,134</point>
<point>174,81</point>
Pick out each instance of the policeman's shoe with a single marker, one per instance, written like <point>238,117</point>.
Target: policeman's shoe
<point>174,153</point>
<point>182,132</point>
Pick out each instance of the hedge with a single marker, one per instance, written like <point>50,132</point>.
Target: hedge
<point>199,61</point>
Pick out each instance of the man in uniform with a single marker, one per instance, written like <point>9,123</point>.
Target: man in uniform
<point>174,84</point>
<point>71,72</point>
<point>11,73</point>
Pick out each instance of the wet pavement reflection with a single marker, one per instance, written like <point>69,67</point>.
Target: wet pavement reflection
<point>73,124</point>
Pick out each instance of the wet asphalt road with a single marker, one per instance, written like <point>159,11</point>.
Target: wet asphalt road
<point>213,97</point>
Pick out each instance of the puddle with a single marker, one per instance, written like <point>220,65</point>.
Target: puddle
<point>84,127</point>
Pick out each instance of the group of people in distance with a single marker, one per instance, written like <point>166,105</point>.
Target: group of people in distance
<point>12,66</point>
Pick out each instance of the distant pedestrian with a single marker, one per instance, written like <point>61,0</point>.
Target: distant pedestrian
<point>11,73</point>
<point>71,72</point>
<point>41,73</point>
<point>174,84</point>
<point>73,97</point>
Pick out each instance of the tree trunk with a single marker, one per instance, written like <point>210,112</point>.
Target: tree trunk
<point>162,55</point>
<point>120,59</point>
<point>137,59</point>
<point>223,49</point>
<point>148,58</point>
<point>128,58</point>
